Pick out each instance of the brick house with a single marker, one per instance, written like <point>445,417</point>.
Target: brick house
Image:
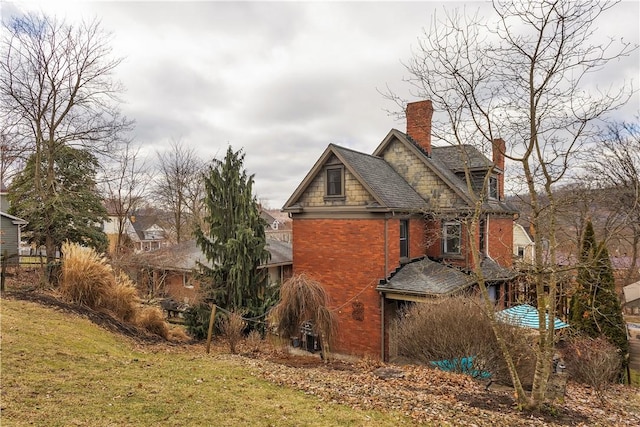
<point>170,272</point>
<point>383,229</point>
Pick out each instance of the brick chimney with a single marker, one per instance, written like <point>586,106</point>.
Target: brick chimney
<point>419,116</point>
<point>499,149</point>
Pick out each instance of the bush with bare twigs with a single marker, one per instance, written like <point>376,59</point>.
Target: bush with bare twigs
<point>303,299</point>
<point>231,327</point>
<point>254,341</point>
<point>456,329</point>
<point>592,361</point>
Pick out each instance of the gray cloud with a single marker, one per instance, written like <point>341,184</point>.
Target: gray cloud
<point>281,80</point>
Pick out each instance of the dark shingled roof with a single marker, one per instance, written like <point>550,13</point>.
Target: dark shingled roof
<point>384,182</point>
<point>427,278</point>
<point>455,157</point>
<point>185,256</point>
<point>492,271</point>
<point>449,160</point>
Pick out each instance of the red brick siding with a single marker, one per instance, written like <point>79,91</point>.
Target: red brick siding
<point>176,290</point>
<point>501,240</point>
<point>347,257</point>
<point>416,238</point>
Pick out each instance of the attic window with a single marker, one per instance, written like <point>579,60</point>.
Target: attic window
<point>335,182</point>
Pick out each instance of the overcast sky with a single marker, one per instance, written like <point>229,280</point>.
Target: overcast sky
<point>281,80</point>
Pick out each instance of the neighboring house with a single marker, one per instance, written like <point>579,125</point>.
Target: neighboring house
<point>631,303</point>
<point>278,225</point>
<point>10,230</point>
<point>523,245</point>
<point>143,232</point>
<point>169,272</point>
<point>380,230</point>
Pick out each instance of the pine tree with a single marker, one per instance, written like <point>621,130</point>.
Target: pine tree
<point>234,243</point>
<point>580,315</point>
<point>607,311</point>
<point>595,307</point>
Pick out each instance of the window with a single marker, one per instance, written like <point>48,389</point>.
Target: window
<point>451,232</point>
<point>482,232</point>
<point>520,252</point>
<point>493,187</point>
<point>404,238</point>
<point>334,182</point>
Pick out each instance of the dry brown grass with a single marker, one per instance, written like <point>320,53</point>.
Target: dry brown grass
<point>86,276</point>
<point>152,320</point>
<point>178,334</point>
<point>88,279</point>
<point>122,298</point>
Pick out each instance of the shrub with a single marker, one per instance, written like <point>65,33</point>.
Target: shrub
<point>196,319</point>
<point>86,276</point>
<point>122,298</point>
<point>593,361</point>
<point>231,327</point>
<point>457,330</point>
<point>152,320</point>
<point>254,341</point>
<point>178,334</point>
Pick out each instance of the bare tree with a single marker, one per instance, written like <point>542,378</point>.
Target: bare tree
<point>57,90</point>
<point>124,186</point>
<point>13,153</point>
<point>179,188</point>
<point>616,172</point>
<point>522,78</point>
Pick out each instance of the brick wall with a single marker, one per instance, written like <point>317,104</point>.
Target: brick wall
<point>501,240</point>
<point>347,257</point>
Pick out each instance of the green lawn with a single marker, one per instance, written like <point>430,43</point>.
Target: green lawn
<point>62,370</point>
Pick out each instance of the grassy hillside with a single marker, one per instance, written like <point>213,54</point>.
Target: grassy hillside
<point>59,369</point>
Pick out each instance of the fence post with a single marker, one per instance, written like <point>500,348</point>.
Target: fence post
<point>210,332</point>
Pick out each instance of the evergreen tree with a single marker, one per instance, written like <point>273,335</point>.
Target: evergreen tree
<point>595,307</point>
<point>234,243</point>
<point>74,209</point>
<point>582,300</point>
<point>607,311</point>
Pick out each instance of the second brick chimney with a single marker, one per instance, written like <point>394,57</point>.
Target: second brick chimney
<point>499,149</point>
<point>419,116</point>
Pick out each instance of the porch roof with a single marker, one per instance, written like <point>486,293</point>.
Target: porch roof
<point>427,278</point>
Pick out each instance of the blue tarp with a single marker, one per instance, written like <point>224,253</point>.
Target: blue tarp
<point>463,365</point>
<point>525,316</point>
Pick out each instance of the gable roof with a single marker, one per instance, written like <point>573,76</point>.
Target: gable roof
<point>383,183</point>
<point>444,162</point>
<point>380,179</point>
<point>631,292</point>
<point>14,219</point>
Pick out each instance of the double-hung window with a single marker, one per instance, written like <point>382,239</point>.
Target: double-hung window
<point>493,188</point>
<point>404,238</point>
<point>451,237</point>
<point>335,182</point>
